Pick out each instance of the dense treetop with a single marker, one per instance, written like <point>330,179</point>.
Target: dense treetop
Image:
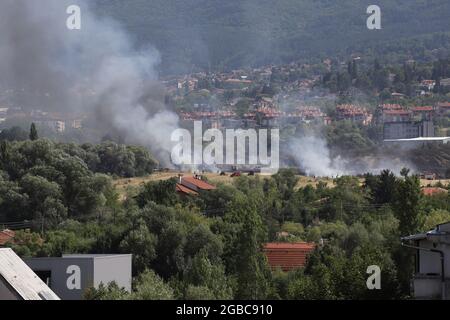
<point>236,33</point>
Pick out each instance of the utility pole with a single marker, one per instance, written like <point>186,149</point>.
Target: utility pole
<point>42,225</point>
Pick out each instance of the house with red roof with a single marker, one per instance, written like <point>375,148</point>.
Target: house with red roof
<point>392,113</point>
<point>193,185</point>
<point>443,108</point>
<point>432,191</point>
<point>288,256</point>
<point>424,109</point>
<point>6,236</point>
<point>353,113</point>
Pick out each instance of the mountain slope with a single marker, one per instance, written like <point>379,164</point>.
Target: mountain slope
<point>233,33</point>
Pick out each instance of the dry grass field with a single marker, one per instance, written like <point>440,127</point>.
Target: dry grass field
<point>131,185</point>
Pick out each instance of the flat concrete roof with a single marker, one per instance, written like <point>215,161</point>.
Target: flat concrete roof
<point>87,256</point>
<point>419,139</point>
<point>80,256</point>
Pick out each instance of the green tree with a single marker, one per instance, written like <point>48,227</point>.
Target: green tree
<point>109,292</point>
<point>206,280</point>
<point>253,275</point>
<point>44,200</point>
<point>142,244</point>
<point>407,211</point>
<point>406,204</point>
<point>149,286</point>
<point>384,190</point>
<point>435,217</point>
<point>161,192</point>
<point>33,132</point>
<point>14,134</point>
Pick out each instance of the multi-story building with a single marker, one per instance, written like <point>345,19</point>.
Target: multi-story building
<point>432,262</point>
<point>55,125</point>
<point>408,130</point>
<point>354,113</point>
<point>392,113</point>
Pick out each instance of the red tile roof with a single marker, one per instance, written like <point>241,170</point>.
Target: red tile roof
<point>426,108</point>
<point>391,107</point>
<point>396,112</point>
<point>6,236</point>
<point>288,256</point>
<point>432,191</point>
<point>200,184</point>
<point>351,110</point>
<point>444,105</point>
<point>185,190</point>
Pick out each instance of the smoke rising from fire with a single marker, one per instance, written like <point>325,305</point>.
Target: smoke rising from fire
<point>312,155</point>
<point>95,69</point>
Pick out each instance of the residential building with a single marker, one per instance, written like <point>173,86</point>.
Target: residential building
<point>188,85</point>
<point>55,125</point>
<point>432,262</point>
<point>18,281</point>
<point>423,113</point>
<point>76,123</point>
<point>396,116</point>
<point>408,130</point>
<point>288,256</point>
<point>432,191</point>
<point>6,236</point>
<point>236,83</point>
<point>392,113</point>
<point>427,85</point>
<point>193,185</point>
<point>185,190</point>
<point>354,113</point>
<point>429,176</point>
<point>445,82</point>
<point>443,108</point>
<point>70,276</point>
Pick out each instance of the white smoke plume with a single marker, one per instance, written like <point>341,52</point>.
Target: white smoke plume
<point>313,155</point>
<point>95,69</point>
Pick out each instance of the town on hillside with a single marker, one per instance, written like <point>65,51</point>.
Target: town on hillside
<point>204,152</point>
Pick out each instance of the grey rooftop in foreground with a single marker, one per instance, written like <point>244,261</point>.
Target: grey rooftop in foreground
<point>18,281</point>
<point>441,232</point>
<point>71,275</point>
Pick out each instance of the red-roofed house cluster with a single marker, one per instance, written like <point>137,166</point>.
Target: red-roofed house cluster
<point>354,113</point>
<point>393,113</point>
<point>398,113</point>
<point>268,115</point>
<point>200,115</point>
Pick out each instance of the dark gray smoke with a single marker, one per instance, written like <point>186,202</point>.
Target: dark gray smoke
<point>95,69</point>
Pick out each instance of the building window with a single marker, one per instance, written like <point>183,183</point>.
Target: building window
<point>45,276</point>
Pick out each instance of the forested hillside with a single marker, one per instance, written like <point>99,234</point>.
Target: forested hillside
<point>227,34</point>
